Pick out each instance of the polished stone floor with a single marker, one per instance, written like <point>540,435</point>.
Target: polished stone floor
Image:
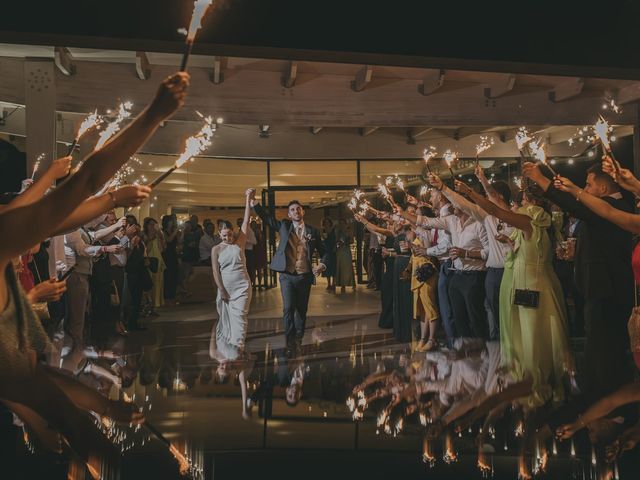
<point>196,416</point>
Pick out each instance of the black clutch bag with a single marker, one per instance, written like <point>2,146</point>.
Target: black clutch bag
<point>425,272</point>
<point>526,298</point>
<point>154,263</point>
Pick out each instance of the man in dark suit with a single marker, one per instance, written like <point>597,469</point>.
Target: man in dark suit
<point>603,277</point>
<point>293,259</point>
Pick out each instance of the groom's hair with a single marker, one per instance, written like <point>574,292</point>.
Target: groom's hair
<point>295,202</point>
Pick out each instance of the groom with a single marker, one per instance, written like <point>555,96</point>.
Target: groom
<point>293,261</point>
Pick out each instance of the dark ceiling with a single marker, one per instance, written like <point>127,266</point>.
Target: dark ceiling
<point>560,32</point>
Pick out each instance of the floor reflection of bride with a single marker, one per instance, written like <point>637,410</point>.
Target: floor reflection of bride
<point>233,299</point>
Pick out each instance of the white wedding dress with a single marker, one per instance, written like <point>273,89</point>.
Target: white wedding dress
<point>231,329</point>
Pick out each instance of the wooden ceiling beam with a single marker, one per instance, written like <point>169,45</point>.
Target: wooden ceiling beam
<point>289,78</point>
<point>219,65</point>
<point>567,90</point>
<point>500,86</point>
<point>432,81</point>
<point>363,77</point>
<point>64,61</point>
<point>365,131</point>
<point>143,67</point>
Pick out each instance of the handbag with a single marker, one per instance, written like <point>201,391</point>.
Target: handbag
<point>525,297</point>
<point>425,271</point>
<point>153,264</point>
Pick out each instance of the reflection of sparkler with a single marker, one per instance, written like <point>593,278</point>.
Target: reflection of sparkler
<point>449,455</point>
<point>200,7</point>
<point>485,144</point>
<point>183,463</point>
<point>572,449</point>
<point>382,418</point>
<point>423,419</point>
<point>523,472</point>
<point>428,154</point>
<point>427,453</point>
<point>540,154</point>
<point>483,465</point>
<point>124,112</point>
<point>37,165</point>
<point>89,123</point>
<point>449,157</point>
<point>519,431</point>
<point>193,146</point>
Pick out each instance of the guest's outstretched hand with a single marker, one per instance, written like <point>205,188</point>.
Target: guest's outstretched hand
<point>47,291</point>
<point>623,176</point>
<point>462,187</point>
<point>532,171</point>
<point>566,185</point>
<point>435,181</point>
<point>131,195</point>
<point>60,167</point>
<point>170,96</point>
<point>479,171</point>
<point>566,431</point>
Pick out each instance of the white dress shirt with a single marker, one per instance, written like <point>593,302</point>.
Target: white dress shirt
<point>498,251</point>
<point>79,252</point>
<point>469,235</point>
<point>207,242</point>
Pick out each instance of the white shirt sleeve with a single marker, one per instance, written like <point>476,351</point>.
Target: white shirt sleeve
<point>470,208</point>
<point>76,243</point>
<point>427,222</point>
<point>484,239</point>
<point>443,245</point>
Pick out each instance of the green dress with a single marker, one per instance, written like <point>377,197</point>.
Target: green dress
<point>534,341</point>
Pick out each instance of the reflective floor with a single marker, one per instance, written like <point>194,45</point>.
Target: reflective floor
<point>354,416</point>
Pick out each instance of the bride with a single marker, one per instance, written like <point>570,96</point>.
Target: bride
<point>234,291</point>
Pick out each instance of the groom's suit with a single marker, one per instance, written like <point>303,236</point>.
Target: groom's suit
<point>293,259</point>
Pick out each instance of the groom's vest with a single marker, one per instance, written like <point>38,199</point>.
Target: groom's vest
<point>296,253</point>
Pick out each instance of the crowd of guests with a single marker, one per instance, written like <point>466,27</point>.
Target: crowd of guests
<point>486,267</point>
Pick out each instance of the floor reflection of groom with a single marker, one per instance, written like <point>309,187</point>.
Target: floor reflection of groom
<point>293,260</point>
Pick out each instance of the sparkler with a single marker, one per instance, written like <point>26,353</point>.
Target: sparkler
<point>485,144</point>
<point>540,154</point>
<point>37,165</point>
<point>89,123</point>
<point>424,190</point>
<point>200,8</point>
<point>124,112</point>
<point>428,154</point>
<point>602,129</point>
<point>522,140</point>
<point>384,191</point>
<point>193,146</point>
<point>450,157</point>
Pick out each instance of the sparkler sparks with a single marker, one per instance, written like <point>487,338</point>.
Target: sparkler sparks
<point>194,145</point>
<point>602,129</point>
<point>200,8</point>
<point>124,112</point>
<point>449,157</point>
<point>89,123</point>
<point>522,138</point>
<point>485,144</point>
<point>540,154</point>
<point>424,190</point>
<point>429,153</point>
<point>37,165</point>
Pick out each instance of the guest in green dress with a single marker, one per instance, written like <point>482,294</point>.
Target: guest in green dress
<point>344,261</point>
<point>533,340</point>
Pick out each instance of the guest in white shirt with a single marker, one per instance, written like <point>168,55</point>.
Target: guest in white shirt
<point>469,254</point>
<point>207,242</point>
<point>500,194</point>
<point>79,254</point>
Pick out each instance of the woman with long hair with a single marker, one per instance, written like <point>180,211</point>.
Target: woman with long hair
<point>171,239</point>
<point>154,241</point>
<point>234,289</point>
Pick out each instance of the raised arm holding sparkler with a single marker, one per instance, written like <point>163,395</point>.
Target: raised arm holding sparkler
<point>98,168</point>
